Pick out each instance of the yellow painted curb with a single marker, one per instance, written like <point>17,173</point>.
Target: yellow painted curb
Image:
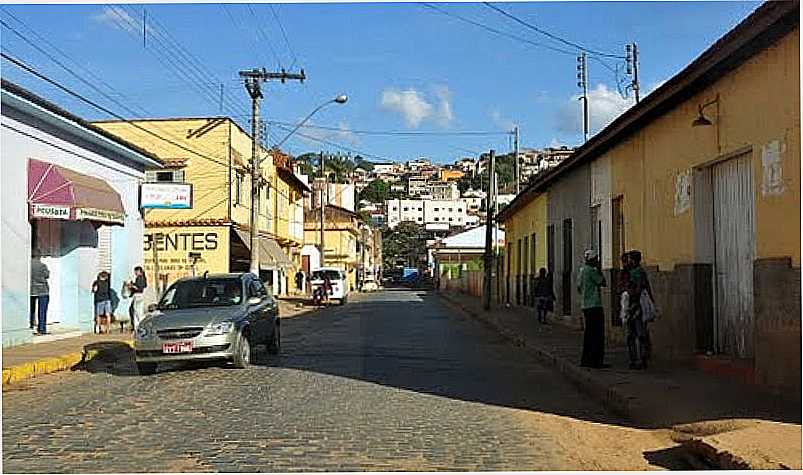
<point>49,365</point>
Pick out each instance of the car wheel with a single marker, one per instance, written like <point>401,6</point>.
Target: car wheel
<point>146,369</point>
<point>242,351</point>
<point>275,346</point>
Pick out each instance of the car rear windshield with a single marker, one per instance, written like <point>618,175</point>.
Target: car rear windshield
<point>332,274</point>
<point>203,293</point>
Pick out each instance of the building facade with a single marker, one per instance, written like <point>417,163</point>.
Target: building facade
<point>703,177</point>
<point>213,154</point>
<point>81,212</point>
<point>453,213</point>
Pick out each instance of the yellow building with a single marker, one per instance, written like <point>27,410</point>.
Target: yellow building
<point>213,154</point>
<point>703,177</point>
<point>526,250</point>
<point>450,175</point>
<point>342,237</point>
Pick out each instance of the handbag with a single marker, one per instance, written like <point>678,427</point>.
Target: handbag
<point>648,311</point>
<point>126,290</point>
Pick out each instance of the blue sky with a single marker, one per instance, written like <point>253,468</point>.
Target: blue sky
<point>405,67</point>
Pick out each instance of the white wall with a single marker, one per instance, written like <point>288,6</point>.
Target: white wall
<point>72,275</point>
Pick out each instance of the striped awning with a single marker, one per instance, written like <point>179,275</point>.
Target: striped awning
<point>271,255</point>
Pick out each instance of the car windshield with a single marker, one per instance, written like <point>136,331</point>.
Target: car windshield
<point>332,274</point>
<point>203,293</point>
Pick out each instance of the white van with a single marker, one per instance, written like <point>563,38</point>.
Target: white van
<point>338,278</point>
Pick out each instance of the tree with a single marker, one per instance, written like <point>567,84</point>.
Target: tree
<point>376,192</point>
<point>406,242</point>
<point>363,163</point>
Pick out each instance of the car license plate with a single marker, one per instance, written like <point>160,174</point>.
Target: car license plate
<point>177,347</point>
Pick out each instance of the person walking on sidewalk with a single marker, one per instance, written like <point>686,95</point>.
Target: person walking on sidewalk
<point>639,316</point>
<point>589,282</point>
<point>137,287</point>
<point>103,302</point>
<point>40,293</point>
<point>544,295</point>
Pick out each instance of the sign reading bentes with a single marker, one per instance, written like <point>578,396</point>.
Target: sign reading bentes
<point>166,195</point>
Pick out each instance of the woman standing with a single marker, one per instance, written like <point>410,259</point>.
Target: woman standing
<point>138,298</point>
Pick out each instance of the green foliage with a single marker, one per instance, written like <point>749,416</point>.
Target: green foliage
<point>405,242</point>
<point>376,192</point>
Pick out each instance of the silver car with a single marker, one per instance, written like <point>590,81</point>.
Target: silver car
<point>222,316</point>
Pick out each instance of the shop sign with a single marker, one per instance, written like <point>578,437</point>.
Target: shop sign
<point>51,211</point>
<point>93,214</point>
<point>166,195</point>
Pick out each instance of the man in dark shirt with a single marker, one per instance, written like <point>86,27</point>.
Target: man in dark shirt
<point>103,302</point>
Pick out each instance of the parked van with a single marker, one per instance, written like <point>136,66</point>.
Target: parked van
<point>339,280</point>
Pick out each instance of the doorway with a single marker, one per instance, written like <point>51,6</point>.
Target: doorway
<point>568,262</point>
<point>725,237</point>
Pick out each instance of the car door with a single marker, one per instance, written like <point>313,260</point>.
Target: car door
<point>257,314</point>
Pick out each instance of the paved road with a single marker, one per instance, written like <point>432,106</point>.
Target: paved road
<point>395,380</point>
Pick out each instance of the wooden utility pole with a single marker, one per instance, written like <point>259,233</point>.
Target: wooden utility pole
<point>489,255</point>
<point>253,81</point>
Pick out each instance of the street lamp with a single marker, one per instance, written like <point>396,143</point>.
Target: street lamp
<point>341,99</point>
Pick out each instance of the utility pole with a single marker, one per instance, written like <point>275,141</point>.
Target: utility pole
<point>582,83</point>
<point>253,82</point>
<point>489,257</point>
<point>631,57</point>
<point>516,165</point>
<point>324,189</point>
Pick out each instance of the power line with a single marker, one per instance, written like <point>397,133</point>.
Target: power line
<point>284,34</point>
<point>389,132</point>
<point>498,32</point>
<point>333,144</point>
<point>264,35</point>
<point>550,35</point>
<point>80,97</point>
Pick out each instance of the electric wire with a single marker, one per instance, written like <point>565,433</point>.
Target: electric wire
<point>550,35</point>
<point>284,34</point>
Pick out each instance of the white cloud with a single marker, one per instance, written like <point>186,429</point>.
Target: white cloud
<point>555,143</point>
<point>445,115</point>
<point>604,105</point>
<point>312,136</point>
<point>415,108</point>
<point>118,17</point>
<point>503,122</point>
<point>410,104</point>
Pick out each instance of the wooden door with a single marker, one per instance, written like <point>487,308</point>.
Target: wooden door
<point>734,252</point>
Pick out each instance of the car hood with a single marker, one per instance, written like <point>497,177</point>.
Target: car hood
<point>191,317</point>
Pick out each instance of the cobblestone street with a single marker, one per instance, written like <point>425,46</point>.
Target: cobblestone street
<point>395,380</point>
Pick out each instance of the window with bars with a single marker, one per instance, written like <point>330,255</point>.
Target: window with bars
<point>165,176</point>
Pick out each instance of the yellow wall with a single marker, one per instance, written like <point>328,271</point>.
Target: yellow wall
<point>175,244</point>
<point>447,175</point>
<point>759,102</point>
<point>532,218</point>
<point>340,237</point>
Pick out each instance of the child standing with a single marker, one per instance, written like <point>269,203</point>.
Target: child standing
<point>103,302</point>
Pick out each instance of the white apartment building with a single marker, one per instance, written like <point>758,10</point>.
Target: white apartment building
<point>416,185</point>
<point>474,199</point>
<point>418,163</point>
<point>385,168</point>
<point>451,212</point>
<point>444,191</point>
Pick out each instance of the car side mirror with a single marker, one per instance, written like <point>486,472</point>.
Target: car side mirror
<point>254,300</point>
<point>152,308</point>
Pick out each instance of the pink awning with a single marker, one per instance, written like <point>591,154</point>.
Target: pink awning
<point>56,192</point>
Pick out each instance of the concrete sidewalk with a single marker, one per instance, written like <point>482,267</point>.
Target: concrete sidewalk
<point>664,396</point>
<point>27,361</point>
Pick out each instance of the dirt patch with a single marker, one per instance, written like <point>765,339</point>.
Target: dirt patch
<point>597,446</point>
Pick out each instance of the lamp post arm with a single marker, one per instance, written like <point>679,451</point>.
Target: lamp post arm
<point>298,126</point>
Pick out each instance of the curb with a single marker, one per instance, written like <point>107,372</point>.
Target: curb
<point>611,398</point>
<point>42,366</point>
